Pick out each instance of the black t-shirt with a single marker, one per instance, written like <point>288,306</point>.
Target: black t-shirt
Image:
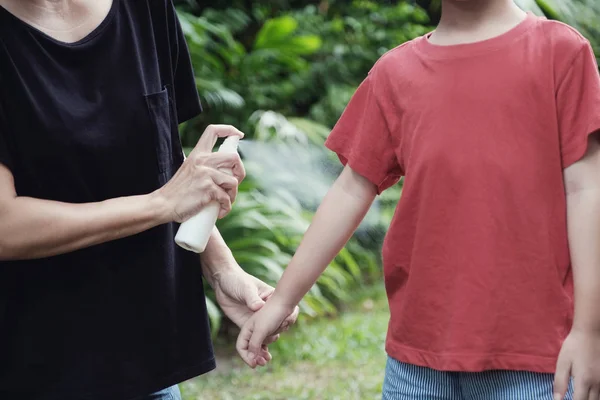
<point>85,122</point>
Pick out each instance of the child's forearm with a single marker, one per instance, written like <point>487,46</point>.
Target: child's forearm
<point>583,218</point>
<point>337,218</point>
<point>583,210</point>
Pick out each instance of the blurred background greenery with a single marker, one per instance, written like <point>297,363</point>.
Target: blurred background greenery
<point>283,71</point>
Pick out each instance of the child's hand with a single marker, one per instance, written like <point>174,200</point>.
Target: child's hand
<point>579,358</point>
<point>273,318</point>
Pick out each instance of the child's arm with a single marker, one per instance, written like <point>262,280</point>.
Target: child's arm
<point>581,350</point>
<point>337,218</point>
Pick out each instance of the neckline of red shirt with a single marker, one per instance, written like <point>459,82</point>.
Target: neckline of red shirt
<point>474,48</point>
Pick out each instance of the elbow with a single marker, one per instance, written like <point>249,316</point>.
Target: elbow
<point>5,253</point>
<point>9,249</point>
<point>8,252</point>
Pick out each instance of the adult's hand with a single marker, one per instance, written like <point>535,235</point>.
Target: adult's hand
<point>199,181</point>
<point>240,295</point>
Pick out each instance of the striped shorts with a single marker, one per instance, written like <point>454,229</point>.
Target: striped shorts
<point>170,393</point>
<point>410,382</point>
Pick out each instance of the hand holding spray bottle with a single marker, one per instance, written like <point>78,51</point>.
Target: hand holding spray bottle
<point>193,234</point>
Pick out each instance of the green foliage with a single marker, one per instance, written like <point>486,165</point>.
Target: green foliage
<point>286,77</point>
<point>356,38</point>
<point>306,62</point>
<point>235,79</point>
<point>581,14</point>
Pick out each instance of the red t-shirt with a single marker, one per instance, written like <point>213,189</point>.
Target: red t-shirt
<point>476,260</point>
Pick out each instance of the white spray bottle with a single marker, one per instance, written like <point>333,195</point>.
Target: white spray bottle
<point>194,233</point>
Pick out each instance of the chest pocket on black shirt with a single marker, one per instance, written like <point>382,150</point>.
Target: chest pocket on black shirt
<point>164,132</point>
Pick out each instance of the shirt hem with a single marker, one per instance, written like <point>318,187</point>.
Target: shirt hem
<point>471,362</point>
<point>576,152</point>
<point>179,377</point>
<point>361,167</point>
<point>132,393</point>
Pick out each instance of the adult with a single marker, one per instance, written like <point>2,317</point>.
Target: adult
<point>96,300</point>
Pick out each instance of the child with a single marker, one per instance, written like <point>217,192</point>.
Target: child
<point>492,121</point>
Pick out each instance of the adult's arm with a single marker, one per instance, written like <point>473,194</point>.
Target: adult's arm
<point>35,228</point>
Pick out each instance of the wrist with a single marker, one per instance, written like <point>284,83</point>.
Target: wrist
<point>214,271</point>
<point>281,301</point>
<point>159,207</point>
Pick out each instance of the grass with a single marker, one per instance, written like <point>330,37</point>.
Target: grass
<point>341,358</point>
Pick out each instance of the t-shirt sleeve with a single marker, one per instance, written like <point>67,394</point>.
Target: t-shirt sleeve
<point>187,100</point>
<point>362,140</point>
<point>578,105</point>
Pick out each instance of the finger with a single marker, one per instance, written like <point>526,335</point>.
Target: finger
<point>220,196</point>
<point>293,317</point>
<point>229,161</point>
<point>212,133</point>
<point>266,291</point>
<point>288,322</point>
<point>282,328</point>
<point>226,182</point>
<point>261,361</point>
<point>256,341</point>
<point>594,393</point>
<point>232,193</point>
<point>271,339</point>
<point>265,353</point>
<point>252,299</point>
<point>581,390</point>
<point>561,378</point>
<point>219,192</point>
<point>222,179</point>
<point>242,344</point>
<point>237,169</point>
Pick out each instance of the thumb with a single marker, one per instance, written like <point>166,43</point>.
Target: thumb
<point>252,299</point>
<point>562,378</point>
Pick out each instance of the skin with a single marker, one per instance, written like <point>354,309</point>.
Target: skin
<point>581,350</point>
<point>65,20</point>
<point>34,228</point>
<point>467,21</point>
<point>350,197</point>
